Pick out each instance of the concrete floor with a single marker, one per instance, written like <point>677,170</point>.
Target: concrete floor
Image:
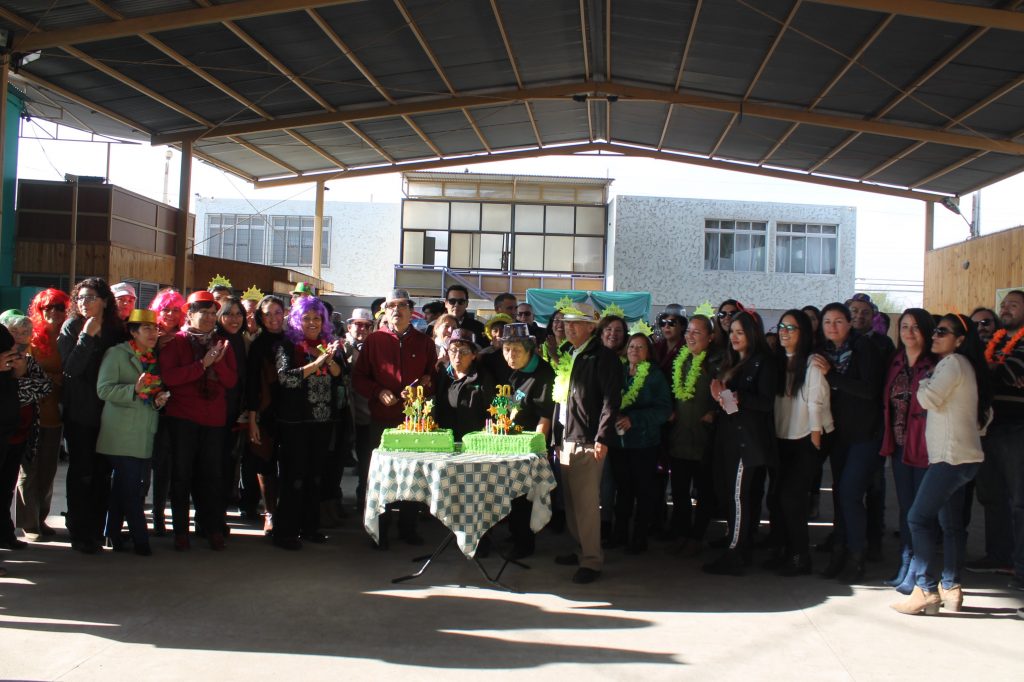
<point>255,612</point>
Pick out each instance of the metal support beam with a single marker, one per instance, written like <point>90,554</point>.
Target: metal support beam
<point>167,21</point>
<point>5,62</point>
<point>181,228</point>
<point>318,228</point>
<point>951,12</point>
<point>624,93</point>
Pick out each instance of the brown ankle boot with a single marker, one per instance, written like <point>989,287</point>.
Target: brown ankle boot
<point>919,602</point>
<point>952,599</point>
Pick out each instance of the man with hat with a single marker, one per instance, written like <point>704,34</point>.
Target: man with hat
<point>393,358</point>
<point>358,327</point>
<point>532,381</point>
<point>302,290</point>
<point>124,296</point>
<point>588,392</point>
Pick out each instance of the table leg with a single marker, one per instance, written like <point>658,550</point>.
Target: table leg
<point>437,552</point>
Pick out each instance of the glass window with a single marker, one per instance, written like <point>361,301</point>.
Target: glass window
<point>306,252</point>
<point>559,220</point>
<point>412,248</point>
<point>588,255</point>
<point>711,251</point>
<point>242,242</point>
<point>228,242</point>
<point>828,256</point>
<point>460,189</point>
<point>256,243</point>
<point>742,255</point>
<point>529,218</point>
<point>292,247</point>
<point>566,194</point>
<point>464,249</point>
<point>527,192</point>
<point>425,215</point>
<point>726,251</point>
<point>590,220</point>
<point>590,196</point>
<point>782,253</point>
<point>465,215</point>
<point>496,191</point>
<point>798,257</point>
<point>758,253</point>
<point>440,239</point>
<point>558,254</point>
<point>420,188</point>
<point>497,218</point>
<point>529,252</point>
<point>277,247</point>
<point>813,254</point>
<point>491,251</point>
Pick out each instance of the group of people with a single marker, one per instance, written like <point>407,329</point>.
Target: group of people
<point>213,401</point>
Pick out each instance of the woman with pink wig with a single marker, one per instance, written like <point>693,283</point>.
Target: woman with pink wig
<point>167,304</point>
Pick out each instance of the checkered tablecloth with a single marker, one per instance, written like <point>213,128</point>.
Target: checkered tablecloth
<point>468,493</point>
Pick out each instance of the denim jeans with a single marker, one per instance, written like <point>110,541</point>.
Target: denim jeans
<point>128,499</point>
<point>940,500</point>
<point>861,464</point>
<point>907,480</point>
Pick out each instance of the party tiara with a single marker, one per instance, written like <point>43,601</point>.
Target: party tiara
<point>613,309</point>
<point>705,309</point>
<point>564,304</point>
<point>217,280</point>
<point>640,327</point>
<point>252,294</point>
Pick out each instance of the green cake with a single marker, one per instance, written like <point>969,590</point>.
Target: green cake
<point>441,440</point>
<point>525,443</point>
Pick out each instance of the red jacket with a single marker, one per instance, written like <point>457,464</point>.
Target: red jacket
<point>390,362</point>
<point>183,374</point>
<point>915,449</point>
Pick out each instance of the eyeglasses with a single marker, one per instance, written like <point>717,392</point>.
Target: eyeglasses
<point>666,323</point>
<point>942,332</point>
<point>524,313</point>
<point>789,328</point>
<point>88,298</point>
<point>56,308</point>
<point>987,322</point>
<point>457,352</point>
<point>458,301</point>
<point>397,305</point>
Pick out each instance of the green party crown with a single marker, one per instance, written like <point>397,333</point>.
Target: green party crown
<point>705,309</point>
<point>640,327</point>
<point>219,279</point>
<point>252,294</point>
<point>613,309</point>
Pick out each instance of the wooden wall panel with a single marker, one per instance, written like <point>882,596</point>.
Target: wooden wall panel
<point>995,261</point>
<point>46,257</point>
<point>243,275</point>
<point>128,263</point>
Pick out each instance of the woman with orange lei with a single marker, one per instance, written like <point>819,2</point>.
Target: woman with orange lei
<point>47,311</point>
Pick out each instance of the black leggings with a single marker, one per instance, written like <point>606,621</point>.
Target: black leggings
<point>798,466</point>
<point>688,475</point>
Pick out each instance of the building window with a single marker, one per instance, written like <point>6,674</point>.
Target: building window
<point>245,238</point>
<point>735,245</point>
<point>523,237</point>
<point>805,248</point>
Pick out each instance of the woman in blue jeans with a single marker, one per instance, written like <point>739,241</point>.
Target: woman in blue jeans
<point>958,399</point>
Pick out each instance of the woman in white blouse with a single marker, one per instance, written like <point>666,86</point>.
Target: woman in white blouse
<point>958,399</point>
<point>802,417</point>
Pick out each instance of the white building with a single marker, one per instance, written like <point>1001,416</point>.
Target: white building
<point>772,256</point>
<point>361,239</point>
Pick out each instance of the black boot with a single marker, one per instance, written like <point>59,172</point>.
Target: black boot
<point>837,563</point>
<point>798,564</point>
<point>853,573</point>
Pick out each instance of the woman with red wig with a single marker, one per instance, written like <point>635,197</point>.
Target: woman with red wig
<point>47,311</point>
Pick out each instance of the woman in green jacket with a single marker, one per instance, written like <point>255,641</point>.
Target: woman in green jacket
<point>646,406</point>
<point>130,386</point>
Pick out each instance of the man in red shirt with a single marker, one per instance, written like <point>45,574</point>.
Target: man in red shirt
<point>392,358</point>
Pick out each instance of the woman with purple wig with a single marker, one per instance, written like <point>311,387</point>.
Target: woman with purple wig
<point>307,369</point>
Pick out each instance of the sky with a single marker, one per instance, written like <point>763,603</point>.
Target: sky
<point>890,231</point>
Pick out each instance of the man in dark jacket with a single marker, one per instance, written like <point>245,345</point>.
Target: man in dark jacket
<point>456,300</point>
<point>392,358</point>
<point>587,409</point>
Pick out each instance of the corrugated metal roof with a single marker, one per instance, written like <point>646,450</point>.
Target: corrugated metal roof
<point>379,75</point>
<point>509,177</point>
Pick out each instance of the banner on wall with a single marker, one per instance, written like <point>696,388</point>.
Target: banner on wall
<point>636,304</point>
<point>1000,295</point>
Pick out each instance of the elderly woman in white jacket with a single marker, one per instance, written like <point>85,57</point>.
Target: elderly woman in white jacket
<point>958,399</point>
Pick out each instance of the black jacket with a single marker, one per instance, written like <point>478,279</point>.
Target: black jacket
<point>595,391</point>
<point>857,394</point>
<point>531,387</point>
<point>749,433</point>
<point>462,403</point>
<point>8,390</point>
<point>80,356</point>
<point>259,364</point>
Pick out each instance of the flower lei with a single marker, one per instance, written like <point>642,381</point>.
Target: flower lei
<point>563,373</point>
<point>630,396</point>
<point>685,390</point>
<point>151,382</point>
<point>1007,350</point>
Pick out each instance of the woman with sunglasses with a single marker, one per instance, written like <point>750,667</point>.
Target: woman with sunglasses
<point>745,437</point>
<point>93,327</point>
<point>958,398</point>
<point>672,325</point>
<point>903,419</point>
<point>48,310</point>
<point>802,418</point>
<point>854,370</point>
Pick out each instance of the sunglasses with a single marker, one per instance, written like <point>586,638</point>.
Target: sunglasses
<point>789,327</point>
<point>942,332</point>
<point>458,301</point>
<point>666,323</point>
<point>987,322</point>
<point>726,313</point>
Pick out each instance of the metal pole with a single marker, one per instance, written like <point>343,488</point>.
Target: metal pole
<point>318,228</point>
<point>72,268</point>
<point>181,229</point>
<point>5,60</point>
